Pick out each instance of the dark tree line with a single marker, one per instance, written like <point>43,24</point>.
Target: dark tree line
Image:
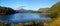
<point>6,10</point>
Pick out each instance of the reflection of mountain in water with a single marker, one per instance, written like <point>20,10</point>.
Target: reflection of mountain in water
<point>45,14</point>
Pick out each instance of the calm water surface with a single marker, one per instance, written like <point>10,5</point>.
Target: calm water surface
<point>23,17</point>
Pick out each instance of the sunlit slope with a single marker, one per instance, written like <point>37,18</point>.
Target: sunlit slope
<point>56,22</point>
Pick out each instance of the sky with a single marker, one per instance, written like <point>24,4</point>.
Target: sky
<point>28,4</point>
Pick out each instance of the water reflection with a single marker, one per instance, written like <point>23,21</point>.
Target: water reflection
<point>4,17</point>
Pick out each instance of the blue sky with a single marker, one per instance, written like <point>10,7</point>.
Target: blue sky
<point>28,4</point>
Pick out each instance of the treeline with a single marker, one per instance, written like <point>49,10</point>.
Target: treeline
<point>6,10</point>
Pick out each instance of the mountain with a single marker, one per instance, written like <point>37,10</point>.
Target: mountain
<point>43,9</point>
<point>55,10</point>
